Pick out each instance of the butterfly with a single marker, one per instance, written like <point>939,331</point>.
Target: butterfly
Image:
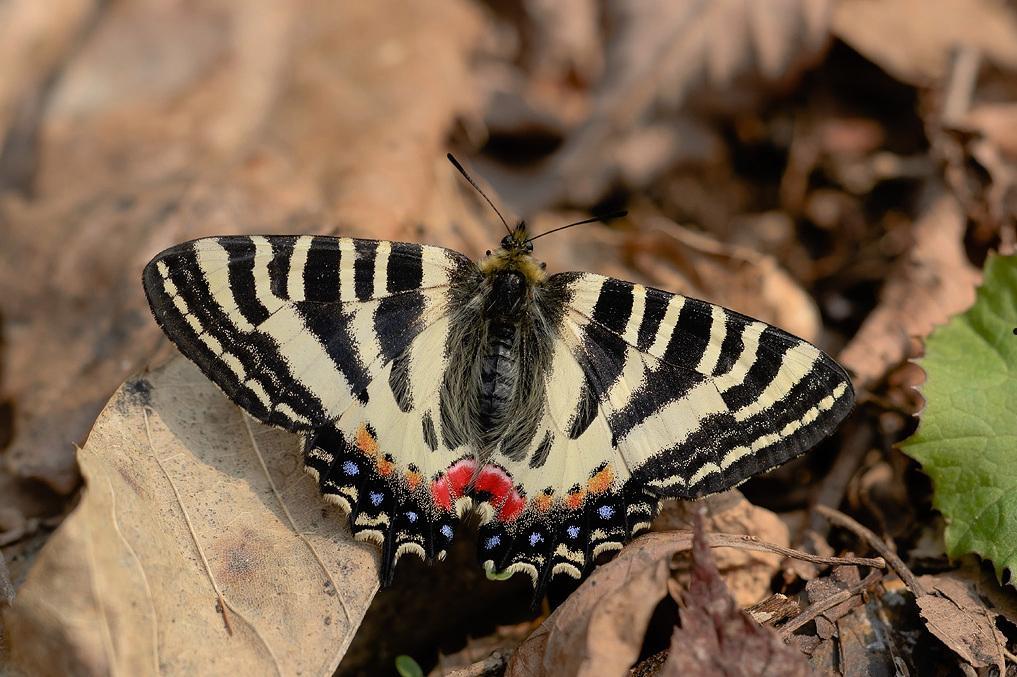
<point>558,409</point>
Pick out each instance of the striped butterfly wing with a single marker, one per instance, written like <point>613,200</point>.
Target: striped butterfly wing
<point>654,395</point>
<point>340,340</point>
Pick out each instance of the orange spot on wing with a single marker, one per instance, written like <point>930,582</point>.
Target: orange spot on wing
<point>366,442</point>
<point>385,466</point>
<point>412,480</point>
<point>575,499</point>
<point>543,502</point>
<point>602,481</point>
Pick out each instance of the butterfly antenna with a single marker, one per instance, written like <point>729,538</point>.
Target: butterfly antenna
<point>455,163</point>
<point>605,218</point>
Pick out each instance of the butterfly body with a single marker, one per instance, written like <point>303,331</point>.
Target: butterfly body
<point>426,387</point>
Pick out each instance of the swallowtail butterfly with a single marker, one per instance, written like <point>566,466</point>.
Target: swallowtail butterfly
<point>559,409</point>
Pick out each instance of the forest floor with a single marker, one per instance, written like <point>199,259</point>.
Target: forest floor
<point>843,169</point>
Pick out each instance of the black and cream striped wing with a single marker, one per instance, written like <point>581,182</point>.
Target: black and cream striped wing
<point>655,395</point>
<point>340,340</point>
<point>699,398</point>
<point>293,329</point>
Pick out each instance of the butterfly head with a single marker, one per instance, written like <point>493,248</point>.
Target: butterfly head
<point>515,253</point>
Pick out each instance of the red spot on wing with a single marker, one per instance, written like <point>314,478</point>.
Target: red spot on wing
<point>451,485</point>
<point>498,483</point>
<point>511,508</point>
<point>492,480</point>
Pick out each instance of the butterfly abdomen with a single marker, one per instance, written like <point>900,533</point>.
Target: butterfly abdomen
<point>505,305</point>
<point>498,372</point>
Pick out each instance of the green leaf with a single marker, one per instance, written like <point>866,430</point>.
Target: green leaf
<point>967,437</point>
<point>407,667</point>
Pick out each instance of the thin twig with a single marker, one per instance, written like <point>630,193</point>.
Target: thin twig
<point>877,544</point>
<point>833,600</point>
<point>960,86</point>
<point>745,542</point>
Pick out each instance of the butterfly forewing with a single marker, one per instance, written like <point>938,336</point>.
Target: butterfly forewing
<point>710,397</point>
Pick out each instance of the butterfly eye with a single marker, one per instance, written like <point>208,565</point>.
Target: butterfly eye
<point>488,252</point>
<point>543,265</point>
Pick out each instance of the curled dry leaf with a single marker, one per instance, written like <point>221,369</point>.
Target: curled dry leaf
<point>483,656</point>
<point>933,281</point>
<point>599,629</point>
<point>716,637</point>
<point>199,546</point>
<point>913,39</point>
<point>954,613</point>
<point>177,120</point>
<point>747,573</point>
<point>482,653</point>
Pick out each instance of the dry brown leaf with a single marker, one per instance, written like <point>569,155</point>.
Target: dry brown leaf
<point>864,647</point>
<point>747,573</point>
<point>820,589</point>
<point>661,55</point>
<point>483,656</point>
<point>599,629</point>
<point>716,637</point>
<point>954,613</point>
<point>933,281</point>
<point>177,120</point>
<point>913,39</point>
<point>35,38</point>
<point>6,599</point>
<point>199,546</point>
<point>563,39</point>
<point>995,149</point>
<point>776,608</point>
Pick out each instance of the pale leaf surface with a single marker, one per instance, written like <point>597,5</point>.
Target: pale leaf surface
<point>186,501</point>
